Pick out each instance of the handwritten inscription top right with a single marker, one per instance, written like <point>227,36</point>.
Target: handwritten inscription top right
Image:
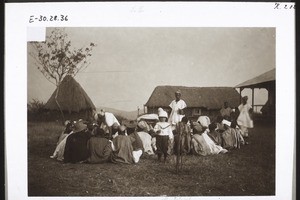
<point>284,6</point>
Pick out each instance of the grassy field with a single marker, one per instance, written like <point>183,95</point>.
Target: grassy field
<point>245,172</point>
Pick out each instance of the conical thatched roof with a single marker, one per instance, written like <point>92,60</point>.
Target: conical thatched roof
<point>71,97</point>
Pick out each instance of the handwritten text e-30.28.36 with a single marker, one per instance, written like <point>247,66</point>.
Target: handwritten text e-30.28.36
<point>44,18</point>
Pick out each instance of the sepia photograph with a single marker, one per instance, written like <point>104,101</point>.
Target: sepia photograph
<point>152,112</point>
<point>150,100</point>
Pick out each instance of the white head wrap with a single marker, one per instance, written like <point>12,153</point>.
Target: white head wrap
<point>226,122</point>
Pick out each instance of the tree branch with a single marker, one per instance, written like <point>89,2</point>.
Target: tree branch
<point>54,58</point>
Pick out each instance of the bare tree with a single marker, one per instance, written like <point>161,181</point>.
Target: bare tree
<point>55,59</point>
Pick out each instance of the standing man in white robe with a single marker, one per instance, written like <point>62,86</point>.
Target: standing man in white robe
<point>177,106</point>
<point>244,120</point>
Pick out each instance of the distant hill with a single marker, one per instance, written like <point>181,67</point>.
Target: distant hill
<point>131,115</point>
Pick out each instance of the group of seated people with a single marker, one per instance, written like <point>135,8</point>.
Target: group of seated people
<point>107,140</point>
<point>88,143</point>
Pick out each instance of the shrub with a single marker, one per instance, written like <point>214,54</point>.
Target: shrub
<point>35,106</point>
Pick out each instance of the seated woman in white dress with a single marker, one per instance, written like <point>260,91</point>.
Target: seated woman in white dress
<point>214,134</point>
<point>202,144</point>
<point>231,137</point>
<point>60,145</point>
<point>67,131</point>
<point>204,121</point>
<point>59,151</point>
<point>143,131</point>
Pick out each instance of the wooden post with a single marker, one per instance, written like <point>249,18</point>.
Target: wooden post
<point>253,99</point>
<point>179,146</point>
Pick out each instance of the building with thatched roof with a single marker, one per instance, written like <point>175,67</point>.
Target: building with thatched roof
<point>71,97</point>
<point>200,100</point>
<point>267,81</point>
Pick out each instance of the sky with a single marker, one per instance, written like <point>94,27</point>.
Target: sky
<point>128,63</point>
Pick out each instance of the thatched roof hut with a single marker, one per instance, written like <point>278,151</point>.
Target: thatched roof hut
<point>199,100</point>
<point>206,97</point>
<point>71,97</point>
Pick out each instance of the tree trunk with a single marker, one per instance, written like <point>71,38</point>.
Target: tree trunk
<point>58,105</point>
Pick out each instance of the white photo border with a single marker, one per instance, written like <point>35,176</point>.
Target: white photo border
<point>142,14</point>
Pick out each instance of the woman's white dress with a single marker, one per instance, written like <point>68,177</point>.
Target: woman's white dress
<point>204,145</point>
<point>244,120</point>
